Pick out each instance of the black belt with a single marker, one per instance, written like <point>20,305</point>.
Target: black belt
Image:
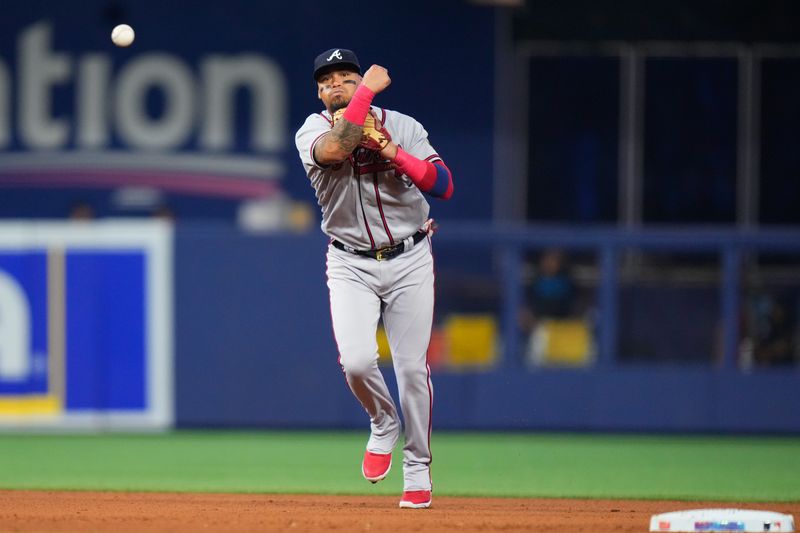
<point>382,254</point>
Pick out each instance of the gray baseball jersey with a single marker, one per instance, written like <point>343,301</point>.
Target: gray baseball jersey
<point>367,205</point>
<point>377,208</point>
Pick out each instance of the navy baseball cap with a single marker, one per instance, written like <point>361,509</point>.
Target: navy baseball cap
<point>335,59</point>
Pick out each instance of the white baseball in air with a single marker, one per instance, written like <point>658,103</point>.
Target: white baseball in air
<point>122,35</point>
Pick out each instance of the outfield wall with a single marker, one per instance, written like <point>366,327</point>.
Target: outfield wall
<point>100,329</point>
<point>254,345</point>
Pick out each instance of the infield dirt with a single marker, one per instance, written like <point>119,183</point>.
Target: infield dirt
<point>122,512</point>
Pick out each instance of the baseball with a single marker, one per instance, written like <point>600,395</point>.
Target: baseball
<point>122,35</point>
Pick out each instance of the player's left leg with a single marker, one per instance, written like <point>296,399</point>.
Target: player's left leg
<point>408,318</point>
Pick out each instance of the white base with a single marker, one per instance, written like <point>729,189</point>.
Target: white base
<point>722,520</point>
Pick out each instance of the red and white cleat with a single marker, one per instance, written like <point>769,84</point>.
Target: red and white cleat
<point>416,499</point>
<point>376,465</point>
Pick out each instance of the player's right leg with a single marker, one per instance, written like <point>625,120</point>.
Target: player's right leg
<point>355,310</point>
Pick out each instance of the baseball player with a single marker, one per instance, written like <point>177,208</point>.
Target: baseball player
<point>371,169</point>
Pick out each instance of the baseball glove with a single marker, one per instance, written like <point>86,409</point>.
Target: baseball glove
<point>374,136</point>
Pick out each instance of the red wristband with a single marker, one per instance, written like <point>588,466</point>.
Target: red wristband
<point>359,105</point>
<point>422,173</point>
<point>408,164</point>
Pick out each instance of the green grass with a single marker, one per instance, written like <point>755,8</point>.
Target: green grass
<point>488,464</point>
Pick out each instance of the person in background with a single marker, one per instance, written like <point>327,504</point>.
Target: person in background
<point>550,303</point>
<point>774,341</point>
<point>552,293</point>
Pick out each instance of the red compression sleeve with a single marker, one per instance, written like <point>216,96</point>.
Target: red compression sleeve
<point>425,175</point>
<point>358,107</point>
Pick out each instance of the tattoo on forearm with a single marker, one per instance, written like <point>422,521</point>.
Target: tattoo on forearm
<point>347,135</point>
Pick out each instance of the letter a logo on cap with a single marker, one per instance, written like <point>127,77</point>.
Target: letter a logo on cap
<point>336,53</point>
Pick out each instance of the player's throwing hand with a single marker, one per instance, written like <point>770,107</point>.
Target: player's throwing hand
<point>376,78</point>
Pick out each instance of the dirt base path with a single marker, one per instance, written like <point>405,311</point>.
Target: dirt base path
<point>121,512</point>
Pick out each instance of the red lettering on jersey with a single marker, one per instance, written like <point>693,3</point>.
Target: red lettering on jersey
<point>369,161</point>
